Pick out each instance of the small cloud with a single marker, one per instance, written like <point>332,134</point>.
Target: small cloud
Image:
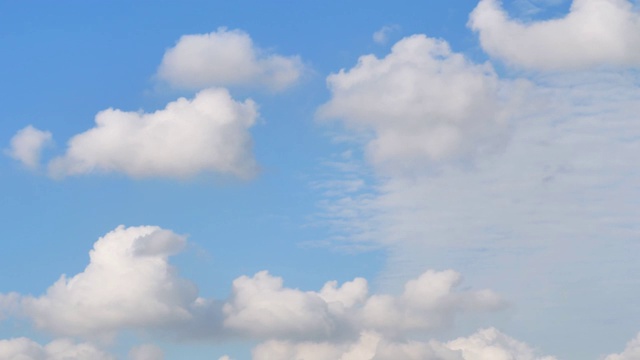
<point>227,58</point>
<point>382,36</point>
<point>27,145</point>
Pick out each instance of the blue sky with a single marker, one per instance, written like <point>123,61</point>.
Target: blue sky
<point>186,180</point>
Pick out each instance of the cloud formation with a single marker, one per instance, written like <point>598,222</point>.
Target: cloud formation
<point>62,349</point>
<point>422,102</point>
<point>595,32</point>
<point>209,133</point>
<point>226,58</point>
<point>27,144</point>
<point>128,284</point>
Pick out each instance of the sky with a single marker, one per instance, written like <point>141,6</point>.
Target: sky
<point>440,180</point>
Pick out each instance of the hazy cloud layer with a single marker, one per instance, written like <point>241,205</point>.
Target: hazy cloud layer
<point>209,133</point>
<point>420,103</point>
<point>26,146</point>
<point>227,58</point>
<point>595,32</point>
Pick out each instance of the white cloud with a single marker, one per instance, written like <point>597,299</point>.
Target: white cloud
<point>631,352</point>
<point>261,307</point>
<point>382,36</point>
<point>422,102</point>
<point>226,58</point>
<point>62,349</point>
<point>27,144</point>
<point>595,32</point>
<point>487,344</point>
<point>207,133</point>
<point>127,284</point>
<point>146,352</point>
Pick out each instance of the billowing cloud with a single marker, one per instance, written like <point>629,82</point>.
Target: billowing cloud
<point>487,344</point>
<point>595,32</point>
<point>631,352</point>
<point>62,349</point>
<point>206,133</point>
<point>226,58</point>
<point>422,102</point>
<point>127,284</point>
<point>261,307</point>
<point>27,144</point>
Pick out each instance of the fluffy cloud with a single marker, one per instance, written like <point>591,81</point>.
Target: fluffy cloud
<point>487,344</point>
<point>421,102</point>
<point>127,284</point>
<point>207,133</point>
<point>226,58</point>
<point>26,349</point>
<point>382,36</point>
<point>595,32</point>
<point>263,308</point>
<point>27,144</point>
<point>631,352</point>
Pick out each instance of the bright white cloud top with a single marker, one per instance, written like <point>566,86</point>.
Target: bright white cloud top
<point>227,58</point>
<point>209,133</point>
<point>595,32</point>
<point>27,144</point>
<point>422,102</point>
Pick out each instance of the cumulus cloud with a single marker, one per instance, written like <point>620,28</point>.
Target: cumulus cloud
<point>631,352</point>
<point>62,349</point>
<point>263,308</point>
<point>487,344</point>
<point>146,352</point>
<point>127,284</point>
<point>420,102</point>
<point>595,32</point>
<point>27,144</point>
<point>187,137</point>
<point>226,58</point>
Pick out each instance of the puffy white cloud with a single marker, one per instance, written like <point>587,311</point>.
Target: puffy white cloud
<point>127,284</point>
<point>631,352</point>
<point>422,102</point>
<point>428,302</point>
<point>27,144</point>
<point>146,352</point>
<point>62,349</point>
<point>207,133</point>
<point>487,344</point>
<point>263,308</point>
<point>595,32</point>
<point>226,58</point>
